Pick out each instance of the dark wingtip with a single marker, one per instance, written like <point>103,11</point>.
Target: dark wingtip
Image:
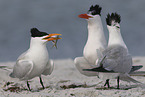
<point>98,69</point>
<point>12,75</point>
<point>95,10</point>
<point>134,68</point>
<point>113,17</point>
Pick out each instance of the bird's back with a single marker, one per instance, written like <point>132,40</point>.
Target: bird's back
<point>117,59</point>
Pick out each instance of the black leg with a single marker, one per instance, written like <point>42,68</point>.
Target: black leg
<point>41,83</point>
<point>28,86</point>
<point>118,82</point>
<point>107,83</point>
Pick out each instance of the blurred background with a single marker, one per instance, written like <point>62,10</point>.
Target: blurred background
<point>17,17</point>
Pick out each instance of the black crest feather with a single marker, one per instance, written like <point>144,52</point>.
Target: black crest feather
<point>95,10</point>
<point>113,17</point>
<point>36,33</point>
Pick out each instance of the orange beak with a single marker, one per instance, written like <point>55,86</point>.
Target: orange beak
<point>52,37</point>
<point>85,16</point>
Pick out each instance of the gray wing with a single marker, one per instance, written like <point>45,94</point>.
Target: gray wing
<point>49,68</point>
<point>22,68</point>
<point>81,63</point>
<point>117,59</point>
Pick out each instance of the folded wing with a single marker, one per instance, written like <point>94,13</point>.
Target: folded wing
<point>22,68</point>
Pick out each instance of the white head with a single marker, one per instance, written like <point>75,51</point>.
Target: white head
<point>93,13</point>
<point>113,22</point>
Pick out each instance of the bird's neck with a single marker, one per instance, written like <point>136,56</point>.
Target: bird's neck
<point>96,39</point>
<point>95,31</point>
<point>38,51</point>
<point>37,45</point>
<point>115,37</point>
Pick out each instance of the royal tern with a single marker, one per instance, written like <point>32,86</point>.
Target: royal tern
<point>116,62</point>
<point>96,41</point>
<point>35,61</point>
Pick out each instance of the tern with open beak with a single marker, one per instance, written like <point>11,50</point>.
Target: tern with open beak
<point>116,62</point>
<point>96,41</point>
<point>35,61</point>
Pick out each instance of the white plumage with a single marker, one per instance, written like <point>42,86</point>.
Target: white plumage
<point>35,61</point>
<point>116,62</point>
<point>96,41</point>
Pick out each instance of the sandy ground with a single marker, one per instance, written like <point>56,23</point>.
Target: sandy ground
<point>66,81</point>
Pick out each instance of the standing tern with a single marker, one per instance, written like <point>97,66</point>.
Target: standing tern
<point>96,41</point>
<point>35,61</point>
<point>116,62</point>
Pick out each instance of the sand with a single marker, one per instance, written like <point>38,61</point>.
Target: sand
<point>66,81</point>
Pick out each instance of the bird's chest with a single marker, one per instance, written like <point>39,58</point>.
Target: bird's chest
<point>90,50</point>
<point>90,54</point>
<point>40,60</point>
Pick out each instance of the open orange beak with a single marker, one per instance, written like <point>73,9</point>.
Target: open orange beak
<point>52,37</point>
<point>85,16</point>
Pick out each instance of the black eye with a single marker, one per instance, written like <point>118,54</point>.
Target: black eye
<point>93,12</point>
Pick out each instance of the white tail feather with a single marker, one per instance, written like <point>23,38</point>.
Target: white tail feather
<point>137,73</point>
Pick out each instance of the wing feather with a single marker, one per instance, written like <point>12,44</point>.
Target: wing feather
<point>81,63</point>
<point>117,59</point>
<point>22,68</point>
<point>49,68</point>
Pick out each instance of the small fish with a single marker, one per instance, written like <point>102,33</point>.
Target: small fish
<point>55,42</point>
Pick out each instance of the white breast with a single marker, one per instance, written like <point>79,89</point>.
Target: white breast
<point>96,39</point>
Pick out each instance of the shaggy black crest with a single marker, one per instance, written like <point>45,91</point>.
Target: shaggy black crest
<point>95,10</point>
<point>36,33</point>
<point>113,17</point>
